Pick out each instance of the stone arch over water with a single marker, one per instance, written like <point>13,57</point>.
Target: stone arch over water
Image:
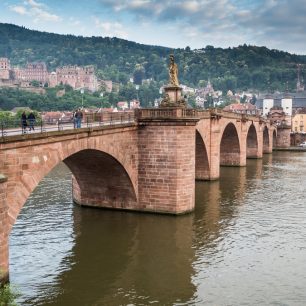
<point>230,146</point>
<point>100,180</point>
<point>201,161</point>
<point>252,143</point>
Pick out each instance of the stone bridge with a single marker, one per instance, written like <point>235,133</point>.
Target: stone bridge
<point>148,165</point>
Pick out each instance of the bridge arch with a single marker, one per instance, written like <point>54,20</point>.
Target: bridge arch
<point>92,164</point>
<point>100,180</point>
<point>252,143</point>
<point>202,169</point>
<point>230,146</point>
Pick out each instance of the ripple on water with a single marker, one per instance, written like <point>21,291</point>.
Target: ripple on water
<point>245,244</point>
<point>45,225</point>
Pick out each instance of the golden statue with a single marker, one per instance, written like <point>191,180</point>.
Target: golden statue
<point>173,72</point>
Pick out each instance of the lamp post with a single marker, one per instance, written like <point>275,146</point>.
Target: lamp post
<point>137,88</point>
<point>82,92</point>
<point>101,95</point>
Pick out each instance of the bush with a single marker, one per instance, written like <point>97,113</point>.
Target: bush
<point>8,295</point>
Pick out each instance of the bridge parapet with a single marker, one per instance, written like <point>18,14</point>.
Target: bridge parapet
<point>166,113</point>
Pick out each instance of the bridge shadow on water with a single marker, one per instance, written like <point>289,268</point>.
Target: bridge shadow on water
<point>120,258</point>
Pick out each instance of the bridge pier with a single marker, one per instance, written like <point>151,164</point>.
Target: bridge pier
<point>4,230</point>
<point>166,148</point>
<point>283,136</point>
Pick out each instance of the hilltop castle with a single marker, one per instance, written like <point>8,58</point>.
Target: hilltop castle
<point>75,76</point>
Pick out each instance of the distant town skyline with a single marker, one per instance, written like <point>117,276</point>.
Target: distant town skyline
<point>175,24</point>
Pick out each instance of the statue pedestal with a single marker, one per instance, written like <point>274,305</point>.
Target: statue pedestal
<point>173,97</point>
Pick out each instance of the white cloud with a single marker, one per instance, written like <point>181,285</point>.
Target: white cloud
<point>21,10</point>
<point>42,15</point>
<point>36,10</point>
<point>74,22</point>
<point>111,29</point>
<point>33,3</point>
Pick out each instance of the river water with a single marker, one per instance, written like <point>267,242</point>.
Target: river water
<point>245,244</point>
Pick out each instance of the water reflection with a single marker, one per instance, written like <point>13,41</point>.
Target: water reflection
<point>130,258</point>
<point>244,244</point>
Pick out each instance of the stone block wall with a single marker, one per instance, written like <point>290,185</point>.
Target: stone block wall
<point>283,137</point>
<point>166,166</point>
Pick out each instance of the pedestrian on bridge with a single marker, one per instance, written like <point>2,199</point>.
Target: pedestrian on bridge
<point>24,123</point>
<point>31,119</point>
<point>79,117</point>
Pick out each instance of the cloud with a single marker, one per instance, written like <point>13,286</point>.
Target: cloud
<point>36,10</point>
<point>21,10</point>
<point>33,3</point>
<point>265,22</point>
<point>74,22</point>
<point>111,29</point>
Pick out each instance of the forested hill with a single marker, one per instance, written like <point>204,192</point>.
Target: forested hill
<point>243,67</point>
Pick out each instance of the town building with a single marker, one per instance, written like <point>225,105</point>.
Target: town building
<point>123,105</point>
<point>242,108</point>
<point>134,104</point>
<point>204,91</point>
<point>299,122</point>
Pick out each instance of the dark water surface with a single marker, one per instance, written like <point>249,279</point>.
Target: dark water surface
<point>245,244</point>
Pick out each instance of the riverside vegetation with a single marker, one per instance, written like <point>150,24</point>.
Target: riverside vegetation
<point>8,295</point>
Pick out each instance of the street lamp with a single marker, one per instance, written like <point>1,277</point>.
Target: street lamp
<point>82,92</point>
<point>101,95</point>
<point>137,88</point>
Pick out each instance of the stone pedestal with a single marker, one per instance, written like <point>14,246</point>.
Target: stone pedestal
<point>173,97</point>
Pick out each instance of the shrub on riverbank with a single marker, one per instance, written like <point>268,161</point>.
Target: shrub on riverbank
<point>8,295</point>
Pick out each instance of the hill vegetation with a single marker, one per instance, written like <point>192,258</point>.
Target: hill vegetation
<point>240,68</point>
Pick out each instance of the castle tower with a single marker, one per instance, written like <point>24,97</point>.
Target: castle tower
<point>5,68</point>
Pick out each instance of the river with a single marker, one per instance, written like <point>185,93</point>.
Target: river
<point>245,244</point>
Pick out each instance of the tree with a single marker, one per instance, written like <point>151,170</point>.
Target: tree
<point>35,83</point>
<point>138,75</point>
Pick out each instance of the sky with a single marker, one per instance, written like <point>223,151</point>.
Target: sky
<point>276,24</point>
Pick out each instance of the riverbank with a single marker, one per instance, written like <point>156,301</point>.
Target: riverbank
<point>292,149</point>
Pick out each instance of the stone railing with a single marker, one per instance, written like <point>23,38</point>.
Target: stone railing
<point>165,113</point>
<point>177,113</point>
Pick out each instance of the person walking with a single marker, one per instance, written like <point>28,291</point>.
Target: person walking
<point>74,119</point>
<point>79,117</point>
<point>24,123</point>
<point>31,119</point>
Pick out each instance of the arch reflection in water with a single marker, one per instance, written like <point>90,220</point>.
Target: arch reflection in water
<point>99,257</point>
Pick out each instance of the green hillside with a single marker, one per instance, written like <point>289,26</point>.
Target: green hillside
<point>243,67</point>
